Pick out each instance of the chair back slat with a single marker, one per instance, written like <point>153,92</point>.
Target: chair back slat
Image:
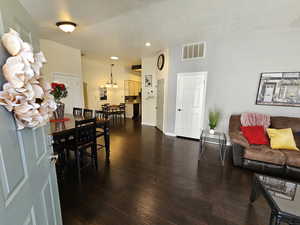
<point>99,114</point>
<point>85,132</point>
<point>88,113</point>
<point>77,112</point>
<point>122,106</point>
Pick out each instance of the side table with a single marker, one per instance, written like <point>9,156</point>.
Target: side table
<point>220,137</point>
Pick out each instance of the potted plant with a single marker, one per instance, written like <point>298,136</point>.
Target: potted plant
<point>214,117</point>
<point>59,91</point>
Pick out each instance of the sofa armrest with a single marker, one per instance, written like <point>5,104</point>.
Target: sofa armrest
<point>239,143</point>
<point>238,138</point>
<point>238,152</point>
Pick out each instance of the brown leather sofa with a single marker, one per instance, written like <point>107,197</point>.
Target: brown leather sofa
<point>261,158</point>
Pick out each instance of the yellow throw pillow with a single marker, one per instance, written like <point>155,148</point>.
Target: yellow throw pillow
<point>282,139</point>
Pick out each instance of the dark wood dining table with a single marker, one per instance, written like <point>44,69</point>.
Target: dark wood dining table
<point>66,128</point>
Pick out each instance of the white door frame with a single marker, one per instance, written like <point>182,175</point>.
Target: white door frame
<point>201,73</point>
<point>163,108</point>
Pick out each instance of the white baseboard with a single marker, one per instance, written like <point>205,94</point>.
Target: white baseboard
<point>148,124</point>
<point>170,134</point>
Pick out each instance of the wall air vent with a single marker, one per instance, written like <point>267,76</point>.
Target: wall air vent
<point>136,68</point>
<point>193,51</point>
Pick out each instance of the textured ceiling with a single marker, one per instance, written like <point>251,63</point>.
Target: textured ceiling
<point>121,27</point>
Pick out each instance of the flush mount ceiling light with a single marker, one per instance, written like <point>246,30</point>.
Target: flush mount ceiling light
<point>147,44</point>
<point>114,57</point>
<point>66,26</point>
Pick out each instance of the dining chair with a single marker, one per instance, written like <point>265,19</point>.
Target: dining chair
<point>88,113</point>
<point>85,138</point>
<point>77,112</point>
<point>122,110</point>
<point>106,110</point>
<point>60,145</point>
<point>113,111</point>
<point>99,130</point>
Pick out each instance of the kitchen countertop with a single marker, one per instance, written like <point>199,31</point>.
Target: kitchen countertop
<point>131,103</point>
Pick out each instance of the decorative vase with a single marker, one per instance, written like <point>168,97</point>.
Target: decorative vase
<point>212,131</point>
<point>59,113</point>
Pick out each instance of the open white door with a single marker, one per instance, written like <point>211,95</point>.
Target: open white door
<point>190,104</point>
<point>28,185</point>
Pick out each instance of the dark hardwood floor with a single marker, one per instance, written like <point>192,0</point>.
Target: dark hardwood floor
<point>156,179</point>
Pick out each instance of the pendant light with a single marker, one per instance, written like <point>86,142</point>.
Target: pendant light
<point>111,83</point>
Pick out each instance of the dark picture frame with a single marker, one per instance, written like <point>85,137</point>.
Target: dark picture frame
<point>279,89</point>
<point>103,93</point>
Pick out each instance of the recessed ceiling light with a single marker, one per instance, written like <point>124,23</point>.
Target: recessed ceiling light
<point>148,44</point>
<point>66,26</point>
<point>114,57</point>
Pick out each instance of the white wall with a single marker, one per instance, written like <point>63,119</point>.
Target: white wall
<point>234,63</point>
<point>60,58</point>
<point>149,65</point>
<point>149,104</point>
<point>97,73</point>
<point>66,61</point>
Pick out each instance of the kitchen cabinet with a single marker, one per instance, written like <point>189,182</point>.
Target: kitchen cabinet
<point>132,88</point>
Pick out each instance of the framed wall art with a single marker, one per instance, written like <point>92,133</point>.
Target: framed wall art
<point>148,81</point>
<point>279,88</point>
<point>103,93</point>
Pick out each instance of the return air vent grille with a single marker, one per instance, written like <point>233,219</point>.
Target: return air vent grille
<point>193,51</point>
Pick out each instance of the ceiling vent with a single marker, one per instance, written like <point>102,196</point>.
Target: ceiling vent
<point>193,51</point>
<point>136,68</point>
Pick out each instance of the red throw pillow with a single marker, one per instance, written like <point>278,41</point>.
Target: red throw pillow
<point>255,135</point>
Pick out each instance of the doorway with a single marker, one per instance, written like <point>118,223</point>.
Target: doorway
<point>160,105</point>
<point>190,104</point>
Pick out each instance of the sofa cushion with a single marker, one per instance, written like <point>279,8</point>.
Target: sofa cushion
<point>292,158</point>
<point>264,153</point>
<point>255,135</point>
<point>280,122</point>
<point>282,139</point>
<point>297,139</point>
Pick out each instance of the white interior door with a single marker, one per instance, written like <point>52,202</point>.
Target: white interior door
<point>160,105</point>
<point>75,90</point>
<point>190,103</point>
<point>28,185</point>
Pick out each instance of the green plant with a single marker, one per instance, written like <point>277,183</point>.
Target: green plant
<point>214,117</point>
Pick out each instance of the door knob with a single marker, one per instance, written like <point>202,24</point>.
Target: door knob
<point>54,158</point>
<point>179,110</point>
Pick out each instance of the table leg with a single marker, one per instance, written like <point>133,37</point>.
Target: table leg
<point>77,157</point>
<point>277,220</point>
<point>223,149</point>
<point>255,190</point>
<point>201,146</point>
<point>107,141</point>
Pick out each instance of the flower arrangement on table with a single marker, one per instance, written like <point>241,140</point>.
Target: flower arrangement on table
<point>58,91</point>
<point>25,93</point>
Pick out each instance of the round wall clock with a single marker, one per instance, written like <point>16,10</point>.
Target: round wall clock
<point>161,61</point>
